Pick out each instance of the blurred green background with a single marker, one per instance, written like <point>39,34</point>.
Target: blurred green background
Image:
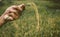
<point>41,18</point>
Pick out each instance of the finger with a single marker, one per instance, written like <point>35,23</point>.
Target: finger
<point>10,18</point>
<point>14,15</point>
<point>16,8</point>
<point>14,11</point>
<point>21,7</point>
<point>13,8</point>
<point>6,17</point>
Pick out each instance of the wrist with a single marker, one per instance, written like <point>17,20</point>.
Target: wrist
<point>2,18</point>
<point>2,21</point>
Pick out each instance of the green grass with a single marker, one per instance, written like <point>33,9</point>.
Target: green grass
<point>40,19</point>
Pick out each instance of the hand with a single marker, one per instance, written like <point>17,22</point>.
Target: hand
<point>13,12</point>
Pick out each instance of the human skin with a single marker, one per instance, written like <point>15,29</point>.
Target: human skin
<point>11,13</point>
